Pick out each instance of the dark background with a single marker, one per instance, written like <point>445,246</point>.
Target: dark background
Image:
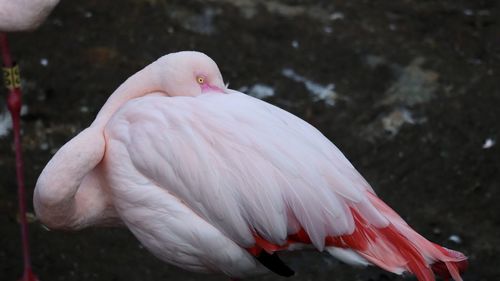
<point>417,97</point>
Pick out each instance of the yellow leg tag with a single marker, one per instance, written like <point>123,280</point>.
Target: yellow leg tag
<point>11,77</point>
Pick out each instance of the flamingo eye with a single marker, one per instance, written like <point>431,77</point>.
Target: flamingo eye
<point>200,80</point>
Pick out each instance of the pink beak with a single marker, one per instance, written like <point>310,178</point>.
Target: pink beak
<point>210,88</point>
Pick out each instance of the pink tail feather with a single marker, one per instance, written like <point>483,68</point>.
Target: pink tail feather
<point>399,248</point>
<point>395,248</point>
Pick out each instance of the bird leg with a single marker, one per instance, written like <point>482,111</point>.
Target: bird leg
<point>12,81</point>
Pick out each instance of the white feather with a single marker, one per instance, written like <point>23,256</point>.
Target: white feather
<point>348,256</point>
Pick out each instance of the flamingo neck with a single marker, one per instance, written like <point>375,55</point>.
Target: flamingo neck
<point>139,84</point>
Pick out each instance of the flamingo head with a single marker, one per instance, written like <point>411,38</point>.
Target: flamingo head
<point>189,73</point>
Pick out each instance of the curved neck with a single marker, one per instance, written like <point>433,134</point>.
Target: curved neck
<point>70,168</point>
<point>141,83</point>
<point>54,196</point>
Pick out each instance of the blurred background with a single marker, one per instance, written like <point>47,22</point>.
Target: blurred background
<point>409,90</point>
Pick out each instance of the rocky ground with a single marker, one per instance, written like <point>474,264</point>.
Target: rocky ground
<point>408,90</point>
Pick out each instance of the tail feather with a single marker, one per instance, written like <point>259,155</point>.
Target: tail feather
<point>451,268</point>
<point>395,247</point>
<point>415,261</point>
<point>399,248</point>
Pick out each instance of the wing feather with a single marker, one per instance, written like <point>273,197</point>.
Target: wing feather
<point>246,166</point>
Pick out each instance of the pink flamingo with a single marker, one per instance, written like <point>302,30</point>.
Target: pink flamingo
<point>212,180</point>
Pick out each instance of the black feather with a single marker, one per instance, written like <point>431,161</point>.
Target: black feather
<point>274,263</point>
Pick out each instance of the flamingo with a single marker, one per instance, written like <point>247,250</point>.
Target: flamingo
<point>23,15</point>
<point>212,180</point>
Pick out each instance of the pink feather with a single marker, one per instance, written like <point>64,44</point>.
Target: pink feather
<point>207,178</point>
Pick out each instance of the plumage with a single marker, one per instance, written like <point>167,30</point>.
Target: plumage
<point>209,178</point>
<point>23,15</point>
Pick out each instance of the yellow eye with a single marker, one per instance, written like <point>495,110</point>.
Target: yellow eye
<point>200,80</point>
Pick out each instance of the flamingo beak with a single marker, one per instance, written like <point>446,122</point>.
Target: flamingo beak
<point>205,88</point>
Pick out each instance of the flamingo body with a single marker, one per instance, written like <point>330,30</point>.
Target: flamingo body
<point>208,179</point>
<point>218,154</point>
<point>22,15</point>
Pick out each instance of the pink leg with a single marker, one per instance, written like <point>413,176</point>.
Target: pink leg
<point>14,106</point>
